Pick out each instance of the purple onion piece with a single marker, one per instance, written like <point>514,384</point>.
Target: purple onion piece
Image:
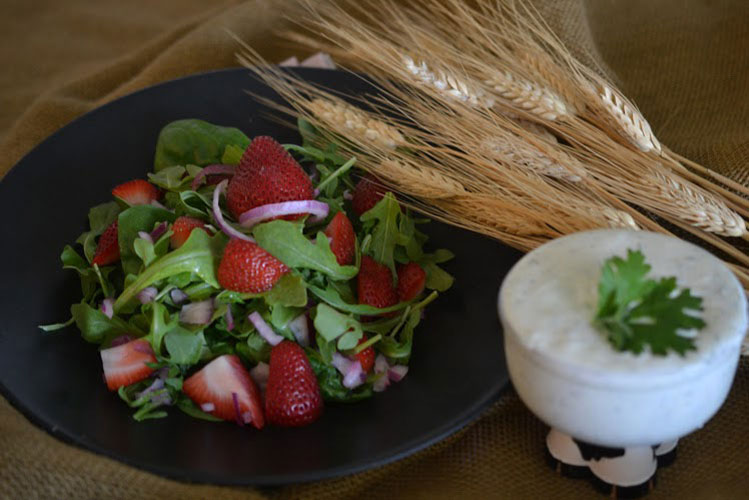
<point>147,294</point>
<point>155,203</point>
<point>197,313</point>
<point>264,329</point>
<point>145,236</point>
<point>178,296</point>
<point>143,347</point>
<point>207,407</point>
<point>107,307</point>
<point>381,383</point>
<point>341,363</point>
<point>222,224</point>
<point>260,375</point>
<point>162,399</point>
<point>158,231</point>
<point>155,386</point>
<point>211,170</point>
<point>229,318</point>
<point>381,364</point>
<point>397,372</point>
<point>253,216</point>
<point>122,339</point>
<point>300,328</point>
<point>237,414</point>
<point>354,376</point>
<point>316,193</point>
<point>347,195</point>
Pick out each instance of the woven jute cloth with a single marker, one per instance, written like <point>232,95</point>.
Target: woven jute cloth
<point>684,62</point>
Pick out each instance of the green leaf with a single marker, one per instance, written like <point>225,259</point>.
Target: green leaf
<point>399,349</point>
<point>281,315</point>
<point>195,142</point>
<point>170,178</point>
<point>189,407</point>
<point>284,240</point>
<point>101,216</point>
<point>160,324</point>
<point>232,155</point>
<point>437,278</point>
<point>131,221</point>
<point>331,383</point>
<point>95,326</point>
<point>184,346</point>
<point>57,326</point>
<point>635,311</point>
<point>288,291</point>
<point>144,249</point>
<point>331,296</point>
<point>332,325</point>
<point>200,254</point>
<point>385,235</point>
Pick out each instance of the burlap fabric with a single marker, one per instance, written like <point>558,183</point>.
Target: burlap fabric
<point>685,63</point>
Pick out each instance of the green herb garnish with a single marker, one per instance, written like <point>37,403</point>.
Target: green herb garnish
<point>634,310</point>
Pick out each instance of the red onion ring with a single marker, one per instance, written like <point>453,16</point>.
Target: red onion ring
<point>197,313</point>
<point>222,224</point>
<point>211,170</point>
<point>264,329</point>
<point>147,294</point>
<point>145,236</point>
<point>264,212</point>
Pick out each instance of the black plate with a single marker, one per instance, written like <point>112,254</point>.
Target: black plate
<point>458,367</point>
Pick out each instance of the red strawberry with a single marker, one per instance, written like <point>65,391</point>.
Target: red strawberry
<point>225,389</point>
<point>366,357</point>
<point>126,363</point>
<point>267,174</point>
<point>292,396</point>
<point>137,192</point>
<point>411,280</point>
<point>247,268</point>
<point>367,193</point>
<point>375,284</point>
<point>342,238</point>
<point>182,228</point>
<point>108,248</point>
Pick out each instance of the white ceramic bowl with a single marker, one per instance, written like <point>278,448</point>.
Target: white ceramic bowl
<point>567,373</point>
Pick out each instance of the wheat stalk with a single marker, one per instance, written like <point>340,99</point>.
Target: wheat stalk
<point>516,152</point>
<point>529,96</point>
<point>349,120</point>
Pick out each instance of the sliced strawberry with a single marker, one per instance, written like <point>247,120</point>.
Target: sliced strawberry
<point>292,396</point>
<point>367,193</point>
<point>108,248</point>
<point>267,174</point>
<point>375,284</point>
<point>126,363</point>
<point>137,192</point>
<point>411,281</point>
<point>342,238</point>
<point>247,268</point>
<point>366,357</point>
<point>225,389</point>
<point>182,228</point>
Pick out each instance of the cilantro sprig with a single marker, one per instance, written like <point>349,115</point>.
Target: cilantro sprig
<point>634,311</point>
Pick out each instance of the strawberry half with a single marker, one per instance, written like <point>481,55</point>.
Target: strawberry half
<point>182,228</point>
<point>375,284</point>
<point>247,268</point>
<point>225,385</point>
<point>137,192</point>
<point>367,193</point>
<point>108,248</point>
<point>292,396</point>
<point>411,281</point>
<point>342,238</point>
<point>267,174</point>
<point>366,357</point>
<point>126,363</point>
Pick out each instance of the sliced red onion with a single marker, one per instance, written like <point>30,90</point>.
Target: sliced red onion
<point>122,339</point>
<point>143,347</point>
<point>229,319</point>
<point>107,307</point>
<point>147,294</point>
<point>341,363</point>
<point>260,375</point>
<point>211,170</point>
<point>158,231</point>
<point>347,195</point>
<point>197,313</point>
<point>178,296</point>
<point>381,383</point>
<point>381,368</point>
<point>155,203</point>
<point>264,212</point>
<point>397,372</point>
<point>162,399</point>
<point>155,386</point>
<point>264,329</point>
<point>208,407</point>
<point>300,328</point>
<point>237,414</point>
<point>222,224</point>
<point>355,376</point>
<point>145,236</point>
<point>381,364</point>
<point>316,193</point>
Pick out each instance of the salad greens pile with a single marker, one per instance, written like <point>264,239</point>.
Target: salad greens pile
<point>316,285</point>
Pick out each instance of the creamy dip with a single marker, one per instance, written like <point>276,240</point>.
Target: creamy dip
<point>565,369</point>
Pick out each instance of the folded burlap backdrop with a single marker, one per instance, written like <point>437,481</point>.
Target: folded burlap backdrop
<point>685,63</point>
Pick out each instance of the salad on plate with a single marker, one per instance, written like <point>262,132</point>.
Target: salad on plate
<point>251,281</point>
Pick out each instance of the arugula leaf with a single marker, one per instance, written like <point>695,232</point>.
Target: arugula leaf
<point>285,241</point>
<point>331,296</point>
<point>288,291</point>
<point>332,325</point>
<point>101,216</point>
<point>184,346</point>
<point>189,407</point>
<point>95,326</point>
<point>635,311</point>
<point>200,254</point>
<point>386,234</point>
<point>195,142</point>
<point>131,221</point>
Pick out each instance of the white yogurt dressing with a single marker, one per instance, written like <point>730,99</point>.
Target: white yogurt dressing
<point>550,298</point>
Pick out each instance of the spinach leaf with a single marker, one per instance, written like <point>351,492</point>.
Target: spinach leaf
<point>232,155</point>
<point>95,326</point>
<point>195,142</point>
<point>332,325</point>
<point>285,241</point>
<point>184,346</point>
<point>288,291</point>
<point>131,221</point>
